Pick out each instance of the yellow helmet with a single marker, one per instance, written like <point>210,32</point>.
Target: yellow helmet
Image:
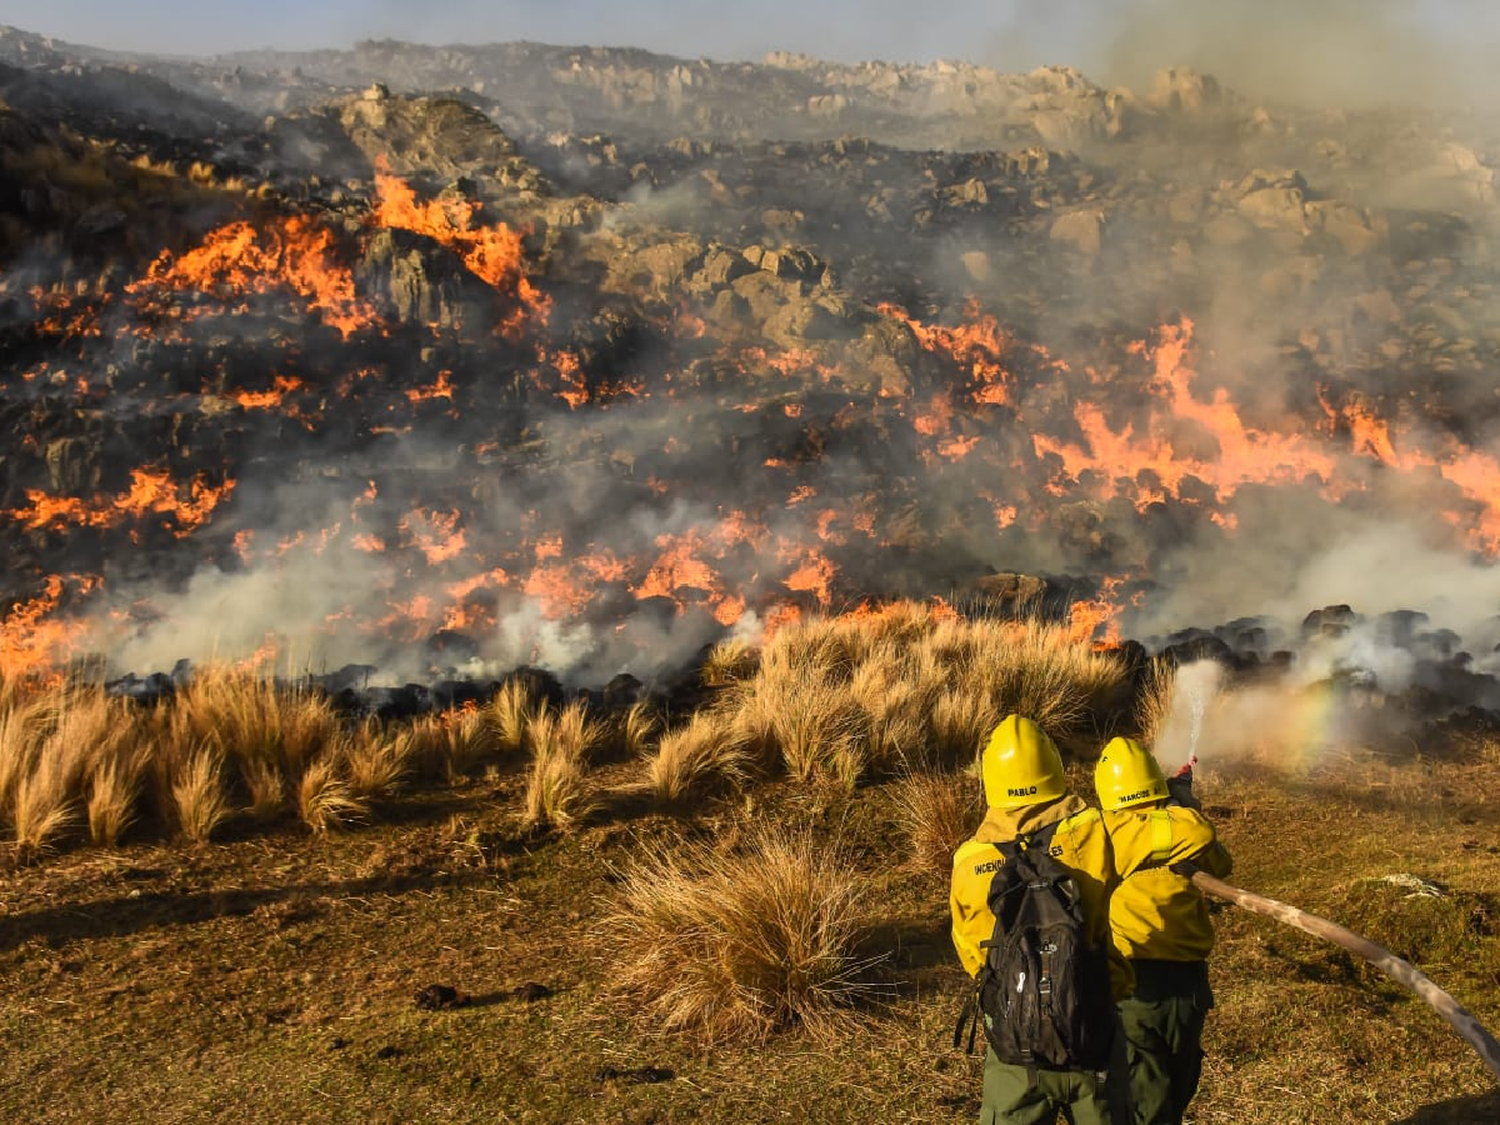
<point>1021,766</point>
<point>1127,775</point>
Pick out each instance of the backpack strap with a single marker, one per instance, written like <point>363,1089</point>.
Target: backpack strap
<point>971,1014</point>
<point>1161,835</point>
<point>1041,838</point>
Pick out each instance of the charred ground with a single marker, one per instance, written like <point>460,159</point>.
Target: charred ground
<point>588,355</point>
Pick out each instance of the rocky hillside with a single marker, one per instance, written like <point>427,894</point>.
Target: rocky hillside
<point>456,358</point>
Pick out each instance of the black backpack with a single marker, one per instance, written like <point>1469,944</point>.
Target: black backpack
<point>1043,990</point>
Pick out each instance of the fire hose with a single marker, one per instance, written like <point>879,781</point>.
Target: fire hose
<point>1403,972</point>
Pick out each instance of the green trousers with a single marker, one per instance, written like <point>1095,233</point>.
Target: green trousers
<point>1010,1098</point>
<point>1163,1026</point>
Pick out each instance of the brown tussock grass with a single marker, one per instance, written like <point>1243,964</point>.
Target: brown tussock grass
<point>63,750</point>
<point>729,662</point>
<point>260,726</point>
<point>374,763</point>
<point>704,754</point>
<point>958,722</point>
<point>471,740</point>
<point>509,712</point>
<point>325,800</point>
<point>266,789</point>
<point>905,687</point>
<point>740,946</point>
<point>42,809</point>
<point>559,792</point>
<point>198,794</point>
<point>576,731</point>
<point>820,645</point>
<point>423,744</point>
<point>115,789</point>
<point>637,729</point>
<point>849,699</point>
<point>938,812</point>
<point>1154,703</point>
<point>801,718</point>
<point>449,746</point>
<point>893,709</point>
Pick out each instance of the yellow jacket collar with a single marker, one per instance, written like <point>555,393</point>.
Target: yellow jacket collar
<point>1006,824</point>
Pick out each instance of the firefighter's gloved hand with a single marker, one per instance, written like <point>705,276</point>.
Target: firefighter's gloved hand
<point>1180,790</point>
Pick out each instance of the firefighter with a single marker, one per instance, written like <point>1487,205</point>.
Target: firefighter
<point>1025,791</point>
<point>1160,925</point>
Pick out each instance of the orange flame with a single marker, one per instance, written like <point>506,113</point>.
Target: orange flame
<point>281,386</point>
<point>1087,617</point>
<point>977,347</point>
<point>813,575</point>
<point>435,534</point>
<point>151,491</point>
<point>441,388</point>
<point>1244,455</point>
<point>492,253</point>
<point>33,642</point>
<point>237,261</point>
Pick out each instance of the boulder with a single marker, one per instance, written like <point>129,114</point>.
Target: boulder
<point>721,266</point>
<point>1349,226</point>
<point>1080,230</point>
<point>1275,209</point>
<point>1182,89</point>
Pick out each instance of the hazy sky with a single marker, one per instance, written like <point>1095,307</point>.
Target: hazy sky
<point>1347,48</point>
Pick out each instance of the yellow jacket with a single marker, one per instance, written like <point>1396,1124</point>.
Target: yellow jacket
<point>1098,855</point>
<point>1154,913</point>
<point>1080,844</point>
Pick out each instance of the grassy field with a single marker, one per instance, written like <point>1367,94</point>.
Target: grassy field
<point>479,941</point>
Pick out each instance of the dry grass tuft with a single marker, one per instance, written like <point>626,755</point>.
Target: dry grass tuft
<point>1153,706</point>
<point>938,812</point>
<point>471,740</point>
<point>115,787</point>
<point>559,792</point>
<point>267,730</point>
<point>41,809</point>
<point>737,947</point>
<point>706,753</point>
<point>729,662</point>
<point>63,750</point>
<point>324,799</point>
<point>905,687</point>
<point>20,723</point>
<point>423,745</point>
<point>894,708</point>
<point>577,733</point>
<point>374,764</point>
<point>509,713</point>
<point>637,728</point>
<point>198,794</point>
<point>806,722</point>
<point>959,722</point>
<point>266,788</point>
